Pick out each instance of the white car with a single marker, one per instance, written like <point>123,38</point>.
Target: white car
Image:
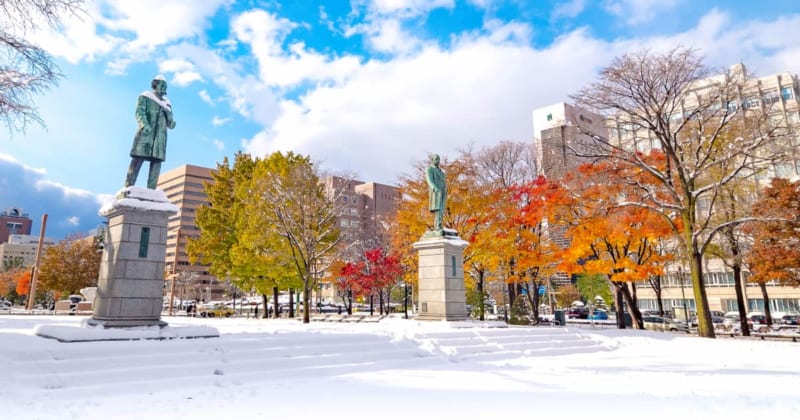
<point>6,306</point>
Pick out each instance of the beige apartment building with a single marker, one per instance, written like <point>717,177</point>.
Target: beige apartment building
<point>185,188</point>
<point>556,134</point>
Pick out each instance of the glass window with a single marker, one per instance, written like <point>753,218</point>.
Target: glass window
<point>787,93</point>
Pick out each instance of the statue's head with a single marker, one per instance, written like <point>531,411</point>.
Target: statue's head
<point>159,84</point>
<point>435,159</point>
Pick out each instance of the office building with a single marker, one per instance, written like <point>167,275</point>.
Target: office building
<point>14,222</point>
<point>185,188</point>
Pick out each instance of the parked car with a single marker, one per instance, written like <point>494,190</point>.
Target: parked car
<point>578,313</point>
<point>716,320</point>
<point>6,306</point>
<point>599,314</point>
<point>214,310</point>
<point>657,323</point>
<point>790,320</point>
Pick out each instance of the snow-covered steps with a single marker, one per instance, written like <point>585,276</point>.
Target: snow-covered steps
<point>493,344</point>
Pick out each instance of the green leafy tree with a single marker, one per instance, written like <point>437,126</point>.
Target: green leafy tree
<point>70,265</point>
<point>296,217</point>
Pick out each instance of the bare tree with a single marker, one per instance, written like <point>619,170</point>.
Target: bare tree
<point>707,131</point>
<point>27,68</point>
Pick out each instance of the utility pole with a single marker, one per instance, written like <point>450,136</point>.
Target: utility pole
<point>35,271</point>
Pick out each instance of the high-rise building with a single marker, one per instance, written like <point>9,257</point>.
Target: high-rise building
<point>14,222</point>
<point>185,188</point>
<point>556,140</point>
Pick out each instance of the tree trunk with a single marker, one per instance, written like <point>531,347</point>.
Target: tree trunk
<point>380,301</point>
<point>291,303</point>
<point>265,315</point>
<point>275,306</point>
<point>371,304</point>
<point>659,299</point>
<point>306,304</point>
<point>349,302</point>
<point>633,309</point>
<point>533,299</point>
<point>618,308</point>
<point>405,300</point>
<point>480,293</point>
<point>767,310</point>
<point>740,303</point>
<point>705,328</point>
<point>388,300</point>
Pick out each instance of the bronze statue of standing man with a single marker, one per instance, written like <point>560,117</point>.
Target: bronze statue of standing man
<point>438,191</point>
<point>154,117</point>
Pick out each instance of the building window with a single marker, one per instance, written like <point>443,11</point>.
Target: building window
<point>354,200</point>
<point>771,98</point>
<point>787,93</point>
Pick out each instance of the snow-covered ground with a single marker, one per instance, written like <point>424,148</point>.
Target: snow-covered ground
<point>395,369</point>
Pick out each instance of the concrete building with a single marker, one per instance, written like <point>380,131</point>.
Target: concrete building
<point>20,251</point>
<point>14,222</point>
<point>185,188</point>
<point>555,137</point>
<point>365,211</point>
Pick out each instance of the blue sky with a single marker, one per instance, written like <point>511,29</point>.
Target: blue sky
<point>365,87</point>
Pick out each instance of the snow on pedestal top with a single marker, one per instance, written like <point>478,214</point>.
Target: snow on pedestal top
<point>141,199</point>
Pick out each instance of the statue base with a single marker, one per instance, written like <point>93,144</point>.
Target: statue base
<point>131,282</point>
<point>441,276</point>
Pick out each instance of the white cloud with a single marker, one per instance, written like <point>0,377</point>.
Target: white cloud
<point>45,184</point>
<point>635,12</point>
<point>568,9</point>
<point>388,36</point>
<point>11,159</point>
<point>482,90</point>
<point>74,220</point>
<point>403,8</point>
<point>127,30</point>
<point>186,78</point>
<point>265,33</point>
<point>183,71</point>
<point>482,4</point>
<point>217,121</point>
<point>205,97</point>
<point>219,144</point>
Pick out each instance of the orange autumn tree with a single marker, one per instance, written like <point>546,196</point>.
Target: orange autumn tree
<point>467,204</point>
<point>621,242</point>
<point>775,253</point>
<point>23,282</point>
<point>8,280</point>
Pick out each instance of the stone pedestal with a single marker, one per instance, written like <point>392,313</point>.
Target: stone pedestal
<point>131,282</point>
<point>441,277</point>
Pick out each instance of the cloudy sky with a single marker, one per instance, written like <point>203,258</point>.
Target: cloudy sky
<point>363,86</point>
